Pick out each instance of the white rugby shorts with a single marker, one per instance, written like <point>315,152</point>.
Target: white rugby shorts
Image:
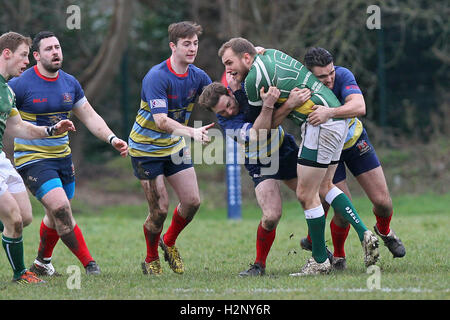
<point>10,180</point>
<point>322,144</point>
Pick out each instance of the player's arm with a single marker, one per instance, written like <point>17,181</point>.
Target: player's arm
<point>354,106</point>
<point>16,127</point>
<point>297,97</point>
<point>165,123</point>
<point>98,127</point>
<point>264,120</point>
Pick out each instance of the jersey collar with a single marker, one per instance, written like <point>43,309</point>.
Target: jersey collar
<point>169,65</point>
<point>44,77</point>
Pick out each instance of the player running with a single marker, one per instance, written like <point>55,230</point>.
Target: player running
<point>157,144</point>
<point>45,95</point>
<point>321,145</point>
<point>15,206</point>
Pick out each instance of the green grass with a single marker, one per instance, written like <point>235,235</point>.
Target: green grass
<point>216,249</point>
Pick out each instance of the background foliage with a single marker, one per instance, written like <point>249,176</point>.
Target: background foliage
<point>403,69</point>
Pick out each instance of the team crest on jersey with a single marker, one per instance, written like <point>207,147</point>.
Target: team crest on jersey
<point>363,146</point>
<point>67,98</point>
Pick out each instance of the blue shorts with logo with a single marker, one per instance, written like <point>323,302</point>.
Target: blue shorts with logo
<point>287,164</point>
<point>42,176</point>
<point>148,168</point>
<point>359,158</point>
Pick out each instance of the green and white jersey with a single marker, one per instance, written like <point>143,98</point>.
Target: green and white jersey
<point>7,107</point>
<point>275,68</point>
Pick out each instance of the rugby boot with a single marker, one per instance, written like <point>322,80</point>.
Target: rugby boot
<point>255,270</point>
<point>370,247</point>
<point>92,268</point>
<point>313,268</point>
<point>172,256</point>
<point>28,277</point>
<point>392,242</point>
<point>152,267</point>
<point>339,263</point>
<point>44,269</point>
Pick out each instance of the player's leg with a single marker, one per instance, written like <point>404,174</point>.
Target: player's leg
<point>12,234</point>
<point>10,214</point>
<point>344,207</point>
<point>184,183</point>
<point>374,184</point>
<point>269,199</point>
<point>340,228</point>
<point>59,210</point>
<point>158,203</point>
<point>365,166</point>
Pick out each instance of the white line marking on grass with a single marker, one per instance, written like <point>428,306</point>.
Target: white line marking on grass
<point>412,290</point>
<point>287,290</point>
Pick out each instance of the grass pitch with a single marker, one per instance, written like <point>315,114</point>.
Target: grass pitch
<point>216,249</point>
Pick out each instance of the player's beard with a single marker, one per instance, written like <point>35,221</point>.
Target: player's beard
<point>50,67</point>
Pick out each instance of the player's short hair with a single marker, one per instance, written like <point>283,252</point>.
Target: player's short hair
<point>239,47</point>
<point>37,39</point>
<point>184,29</point>
<point>317,57</point>
<point>12,40</point>
<point>211,95</point>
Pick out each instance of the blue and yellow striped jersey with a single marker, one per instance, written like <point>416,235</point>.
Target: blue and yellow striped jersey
<point>164,91</point>
<point>44,101</point>
<point>238,128</point>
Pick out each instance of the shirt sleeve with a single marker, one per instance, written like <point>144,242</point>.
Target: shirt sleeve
<point>154,93</point>
<point>80,98</point>
<point>348,84</point>
<point>205,81</point>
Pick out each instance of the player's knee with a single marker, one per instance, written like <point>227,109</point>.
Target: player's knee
<point>157,217</point>
<point>383,207</point>
<point>302,197</point>
<point>270,223</point>
<point>27,220</point>
<point>63,217</point>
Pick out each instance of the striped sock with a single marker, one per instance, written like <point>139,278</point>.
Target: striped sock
<point>342,205</point>
<point>14,252</point>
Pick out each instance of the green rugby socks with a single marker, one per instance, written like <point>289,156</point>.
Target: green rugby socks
<point>342,205</point>
<point>315,218</point>
<point>14,252</point>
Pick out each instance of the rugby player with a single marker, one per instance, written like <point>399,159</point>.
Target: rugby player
<point>321,145</point>
<point>45,95</point>
<point>262,151</point>
<point>358,155</point>
<point>158,148</point>
<point>15,206</point>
